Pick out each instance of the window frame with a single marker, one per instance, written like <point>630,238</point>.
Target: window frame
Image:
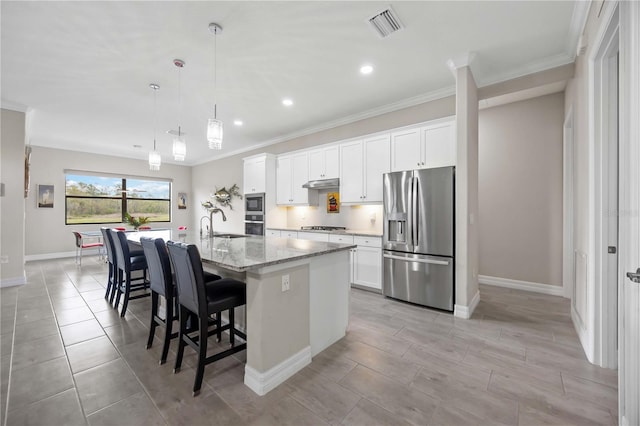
<point>123,198</point>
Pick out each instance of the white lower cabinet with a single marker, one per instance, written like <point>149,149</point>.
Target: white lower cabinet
<point>314,236</point>
<point>367,262</point>
<point>289,234</point>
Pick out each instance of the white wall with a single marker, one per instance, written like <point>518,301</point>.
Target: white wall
<point>520,190</point>
<point>12,145</point>
<point>46,232</point>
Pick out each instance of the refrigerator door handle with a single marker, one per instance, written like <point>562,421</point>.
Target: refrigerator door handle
<point>408,259</point>
<point>414,211</point>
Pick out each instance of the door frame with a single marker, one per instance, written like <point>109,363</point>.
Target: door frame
<point>568,261</point>
<point>603,293</point>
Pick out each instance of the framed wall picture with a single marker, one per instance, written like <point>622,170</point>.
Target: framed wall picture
<point>45,196</point>
<point>333,202</point>
<point>182,200</point>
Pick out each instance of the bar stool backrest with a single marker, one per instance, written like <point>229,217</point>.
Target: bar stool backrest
<point>108,243</point>
<point>121,246</point>
<point>155,250</point>
<point>187,266</point>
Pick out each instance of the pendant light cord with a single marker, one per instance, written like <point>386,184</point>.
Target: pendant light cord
<point>215,73</point>
<point>155,112</point>
<point>179,100</point>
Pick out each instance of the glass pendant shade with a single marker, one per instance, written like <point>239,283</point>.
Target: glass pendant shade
<point>179,148</point>
<point>154,160</point>
<point>214,133</point>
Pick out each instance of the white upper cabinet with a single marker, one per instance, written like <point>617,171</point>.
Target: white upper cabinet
<point>254,175</point>
<point>406,150</point>
<point>292,171</point>
<point>324,163</point>
<point>439,145</point>
<point>432,145</point>
<point>362,164</point>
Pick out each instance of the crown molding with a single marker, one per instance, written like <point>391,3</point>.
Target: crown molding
<point>374,112</point>
<point>576,27</point>
<point>14,106</point>
<point>460,61</point>
<point>527,69</point>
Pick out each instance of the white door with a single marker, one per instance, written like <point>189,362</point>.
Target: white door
<point>283,181</point>
<point>376,163</point>
<point>405,150</point>
<point>351,172</point>
<point>439,145</point>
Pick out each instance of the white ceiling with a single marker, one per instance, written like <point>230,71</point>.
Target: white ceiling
<point>84,68</point>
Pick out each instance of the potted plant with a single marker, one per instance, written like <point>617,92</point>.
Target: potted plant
<point>136,222</point>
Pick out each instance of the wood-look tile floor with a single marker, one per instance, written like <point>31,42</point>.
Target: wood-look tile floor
<point>67,358</point>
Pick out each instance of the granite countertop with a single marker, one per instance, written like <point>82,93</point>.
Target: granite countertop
<point>356,232</point>
<point>247,252</point>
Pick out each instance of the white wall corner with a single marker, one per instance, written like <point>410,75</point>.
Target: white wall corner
<point>553,290</point>
<point>12,282</point>
<point>465,312</point>
<point>262,383</point>
<point>583,335</point>
<point>461,60</point>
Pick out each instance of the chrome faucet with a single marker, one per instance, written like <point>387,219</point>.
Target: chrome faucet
<point>208,227</point>
<point>211,212</point>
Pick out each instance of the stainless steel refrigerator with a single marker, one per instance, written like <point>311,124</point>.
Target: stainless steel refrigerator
<point>418,243</point>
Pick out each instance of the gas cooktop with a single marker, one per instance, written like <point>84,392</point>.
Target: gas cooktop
<point>323,228</point>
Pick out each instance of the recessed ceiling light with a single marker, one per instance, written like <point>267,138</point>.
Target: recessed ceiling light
<point>366,69</point>
<point>238,122</point>
<point>287,102</point>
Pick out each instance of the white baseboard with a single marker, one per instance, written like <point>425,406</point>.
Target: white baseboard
<point>49,256</point>
<point>12,282</point>
<point>465,312</point>
<point>553,290</point>
<point>261,383</point>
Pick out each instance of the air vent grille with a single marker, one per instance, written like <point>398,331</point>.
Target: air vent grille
<point>385,23</point>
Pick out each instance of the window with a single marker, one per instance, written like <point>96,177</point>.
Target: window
<point>105,199</point>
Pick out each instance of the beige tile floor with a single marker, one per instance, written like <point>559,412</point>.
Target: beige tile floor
<point>67,358</point>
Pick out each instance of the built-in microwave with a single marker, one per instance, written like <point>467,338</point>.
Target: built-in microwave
<point>254,204</point>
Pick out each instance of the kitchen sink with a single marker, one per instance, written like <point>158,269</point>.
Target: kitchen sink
<point>228,236</point>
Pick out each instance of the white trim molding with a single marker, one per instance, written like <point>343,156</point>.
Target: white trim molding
<point>465,312</point>
<point>554,290</point>
<point>261,383</point>
<point>49,256</point>
<point>12,282</point>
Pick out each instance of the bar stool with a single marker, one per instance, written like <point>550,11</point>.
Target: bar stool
<point>144,228</point>
<point>80,246</point>
<point>111,260</point>
<point>203,300</point>
<point>126,264</point>
<point>161,284</point>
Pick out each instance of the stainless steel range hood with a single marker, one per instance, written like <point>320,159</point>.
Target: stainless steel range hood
<point>322,184</point>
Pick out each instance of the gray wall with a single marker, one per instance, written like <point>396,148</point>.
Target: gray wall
<point>12,144</point>
<point>520,190</point>
<point>46,231</point>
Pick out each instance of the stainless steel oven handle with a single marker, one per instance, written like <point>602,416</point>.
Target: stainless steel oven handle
<point>408,259</point>
<point>254,221</point>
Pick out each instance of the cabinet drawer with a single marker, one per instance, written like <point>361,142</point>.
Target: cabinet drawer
<point>289,234</point>
<point>272,233</point>
<point>368,241</point>
<point>344,239</point>
<point>315,236</point>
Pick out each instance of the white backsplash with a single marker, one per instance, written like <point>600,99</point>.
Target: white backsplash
<point>365,217</point>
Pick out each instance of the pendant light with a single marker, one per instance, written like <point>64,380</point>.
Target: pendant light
<point>179,142</point>
<point>154,156</point>
<point>214,127</point>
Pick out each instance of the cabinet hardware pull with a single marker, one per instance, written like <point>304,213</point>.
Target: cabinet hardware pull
<point>408,259</point>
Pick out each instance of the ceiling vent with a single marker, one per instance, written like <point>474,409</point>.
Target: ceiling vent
<point>385,22</point>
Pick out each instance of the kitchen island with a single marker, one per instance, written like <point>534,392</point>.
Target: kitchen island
<point>297,297</point>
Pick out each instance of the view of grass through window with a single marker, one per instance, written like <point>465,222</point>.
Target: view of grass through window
<point>99,199</point>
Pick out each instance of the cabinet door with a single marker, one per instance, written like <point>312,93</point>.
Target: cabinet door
<point>299,176</point>
<point>289,234</point>
<point>351,172</point>
<point>405,150</point>
<point>272,233</point>
<point>254,175</point>
<point>313,236</point>
<point>283,181</point>
<point>376,163</point>
<point>316,164</point>
<point>331,162</point>
<point>367,267</point>
<point>439,144</point>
